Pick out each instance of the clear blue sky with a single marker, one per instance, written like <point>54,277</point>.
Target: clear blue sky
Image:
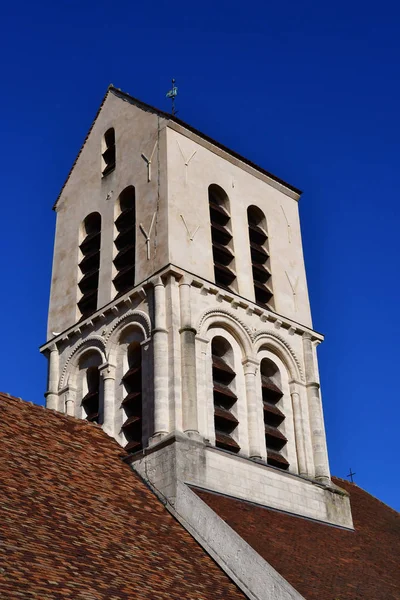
<point>308,90</point>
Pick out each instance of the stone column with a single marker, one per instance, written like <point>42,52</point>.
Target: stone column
<point>253,414</point>
<point>160,352</point>
<point>298,429</point>
<point>53,375</point>
<point>188,354</point>
<point>70,398</point>
<point>107,372</point>
<point>320,452</point>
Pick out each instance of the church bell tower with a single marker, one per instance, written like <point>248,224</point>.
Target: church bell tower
<point>179,317</point>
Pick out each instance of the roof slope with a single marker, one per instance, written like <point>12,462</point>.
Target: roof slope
<point>321,561</point>
<point>78,523</point>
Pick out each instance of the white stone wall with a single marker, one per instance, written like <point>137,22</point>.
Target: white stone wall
<point>137,132</point>
<point>188,198</point>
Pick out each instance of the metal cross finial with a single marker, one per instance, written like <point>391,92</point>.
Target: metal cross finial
<point>351,475</point>
<point>172,94</point>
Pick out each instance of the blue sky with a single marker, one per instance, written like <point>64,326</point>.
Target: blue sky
<point>310,91</point>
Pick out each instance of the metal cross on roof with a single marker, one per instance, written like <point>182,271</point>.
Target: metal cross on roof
<point>351,475</point>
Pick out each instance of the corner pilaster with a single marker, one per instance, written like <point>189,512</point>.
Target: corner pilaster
<point>188,354</point>
<point>53,376</point>
<point>320,452</point>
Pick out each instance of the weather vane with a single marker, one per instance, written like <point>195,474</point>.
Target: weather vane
<point>173,94</point>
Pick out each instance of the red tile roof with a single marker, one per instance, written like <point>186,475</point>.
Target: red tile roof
<point>324,562</point>
<point>78,523</point>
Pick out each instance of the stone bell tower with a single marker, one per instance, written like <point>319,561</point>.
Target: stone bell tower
<point>179,317</point>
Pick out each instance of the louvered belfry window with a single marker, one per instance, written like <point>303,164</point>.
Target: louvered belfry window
<point>108,152</point>
<point>90,401</point>
<point>132,402</point>
<point>89,265</point>
<point>124,260</point>
<point>259,256</point>
<point>225,397</point>
<point>222,242</point>
<point>273,416</point>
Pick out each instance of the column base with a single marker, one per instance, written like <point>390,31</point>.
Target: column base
<point>323,480</point>
<point>193,435</point>
<point>157,437</point>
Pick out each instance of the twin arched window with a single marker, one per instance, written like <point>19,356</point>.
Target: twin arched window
<point>223,247</point>
<point>91,392</point>
<point>226,423</point>
<point>89,264</point>
<point>124,261</point>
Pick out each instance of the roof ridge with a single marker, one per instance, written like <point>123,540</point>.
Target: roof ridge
<point>206,137</point>
<point>367,492</point>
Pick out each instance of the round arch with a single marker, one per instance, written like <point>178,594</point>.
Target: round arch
<point>277,345</point>
<point>93,343</point>
<point>225,320</point>
<point>132,319</point>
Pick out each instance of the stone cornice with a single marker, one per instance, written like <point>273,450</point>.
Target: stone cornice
<point>231,300</point>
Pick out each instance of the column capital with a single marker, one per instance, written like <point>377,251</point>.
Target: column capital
<point>313,384</point>
<point>188,328</point>
<point>158,282</point>
<point>107,370</point>
<point>186,280</point>
<point>294,387</point>
<point>250,365</point>
<point>67,389</point>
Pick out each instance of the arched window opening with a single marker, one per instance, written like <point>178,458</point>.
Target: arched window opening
<point>89,265</point>
<point>132,426</point>
<point>108,151</point>
<point>91,401</point>
<point>124,261</point>
<point>222,242</point>
<point>259,256</point>
<point>224,395</point>
<point>273,416</point>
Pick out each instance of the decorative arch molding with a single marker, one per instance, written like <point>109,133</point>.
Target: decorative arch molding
<point>93,342</point>
<point>226,320</point>
<point>137,317</point>
<point>279,346</point>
